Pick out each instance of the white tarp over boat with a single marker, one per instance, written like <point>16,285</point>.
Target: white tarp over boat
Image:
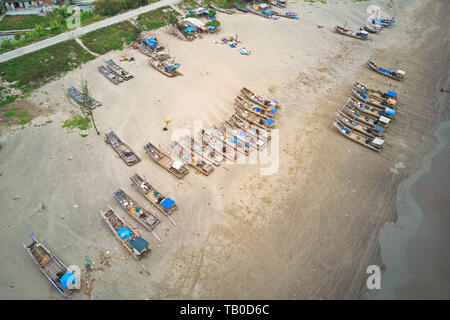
<point>192,22</point>
<point>384,119</point>
<point>378,141</point>
<point>177,165</point>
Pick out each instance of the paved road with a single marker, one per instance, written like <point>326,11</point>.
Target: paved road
<point>83,30</point>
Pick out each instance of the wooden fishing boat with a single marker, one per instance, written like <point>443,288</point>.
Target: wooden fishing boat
<point>371,110</point>
<point>263,123</point>
<point>215,7</point>
<point>245,140</point>
<point>260,100</point>
<point>177,168</point>
<point>278,3</point>
<point>217,143</point>
<point>266,112</point>
<point>145,49</point>
<point>289,15</point>
<point>374,144</point>
<point>372,28</point>
<point>252,130</point>
<point>372,121</point>
<point>109,75</point>
<point>387,22</point>
<point>361,35</point>
<point>161,202</point>
<point>83,99</point>
<point>204,150</point>
<point>188,157</point>
<point>377,94</point>
<point>51,266</point>
<point>379,103</point>
<point>118,70</point>
<point>219,132</point>
<point>259,13</point>
<point>142,215</point>
<point>398,75</point>
<point>122,149</point>
<point>360,126</point>
<point>130,239</point>
<point>164,68</point>
<point>241,8</point>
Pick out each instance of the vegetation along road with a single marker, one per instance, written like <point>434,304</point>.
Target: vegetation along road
<point>83,30</point>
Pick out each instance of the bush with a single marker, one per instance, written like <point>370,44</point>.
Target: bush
<point>109,7</point>
<point>212,13</point>
<point>214,23</point>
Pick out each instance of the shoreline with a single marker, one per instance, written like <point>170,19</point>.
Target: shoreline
<point>396,238</point>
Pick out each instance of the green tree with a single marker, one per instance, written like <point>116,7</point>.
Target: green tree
<point>212,13</point>
<point>109,7</point>
<point>214,23</point>
<point>172,19</point>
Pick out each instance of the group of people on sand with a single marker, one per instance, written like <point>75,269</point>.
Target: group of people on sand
<point>233,43</point>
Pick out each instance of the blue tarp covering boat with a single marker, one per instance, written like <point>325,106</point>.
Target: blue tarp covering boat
<point>167,203</point>
<point>150,42</point>
<point>389,111</point>
<point>385,71</point>
<point>393,94</point>
<point>124,233</point>
<point>67,279</point>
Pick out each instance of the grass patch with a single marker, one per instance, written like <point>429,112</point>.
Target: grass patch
<point>20,22</point>
<point>32,70</point>
<point>110,38</point>
<point>187,5</point>
<point>21,116</point>
<point>50,25</point>
<point>155,19</point>
<point>10,113</point>
<point>77,122</point>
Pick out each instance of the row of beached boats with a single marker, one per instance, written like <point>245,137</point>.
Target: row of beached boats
<point>265,10</point>
<point>374,26</point>
<point>366,116</point>
<point>248,129</point>
<point>114,73</point>
<point>64,279</point>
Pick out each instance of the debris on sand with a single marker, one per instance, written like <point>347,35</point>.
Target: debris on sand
<point>88,287</point>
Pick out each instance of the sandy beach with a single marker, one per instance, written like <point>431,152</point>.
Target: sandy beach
<point>308,231</point>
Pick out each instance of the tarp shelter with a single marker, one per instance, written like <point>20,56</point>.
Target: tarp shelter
<point>67,279</point>
<point>124,233</point>
<point>393,94</point>
<point>190,29</point>
<point>167,203</point>
<point>200,11</point>
<point>211,27</point>
<point>192,22</point>
<point>177,165</point>
<point>139,244</point>
<point>150,42</point>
